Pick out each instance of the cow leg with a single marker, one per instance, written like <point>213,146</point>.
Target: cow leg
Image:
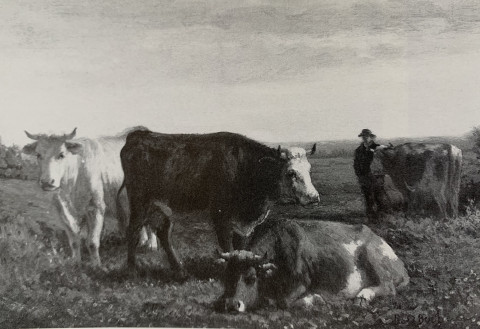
<point>148,238</point>
<point>75,242</point>
<point>366,295</point>
<point>224,236</point>
<point>152,239</point>
<point>70,224</point>
<point>143,236</point>
<point>95,225</point>
<point>239,242</point>
<point>384,268</point>
<point>292,297</point>
<point>309,301</point>
<point>158,217</point>
<point>223,229</point>
<point>137,217</point>
<point>442,206</point>
<point>165,236</point>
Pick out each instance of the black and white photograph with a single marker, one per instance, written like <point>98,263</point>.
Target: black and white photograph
<point>240,164</point>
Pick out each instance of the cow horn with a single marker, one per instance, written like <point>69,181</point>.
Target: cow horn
<point>220,261</point>
<point>34,137</point>
<point>257,257</point>
<point>71,135</point>
<point>224,255</point>
<point>410,188</point>
<point>269,266</point>
<point>245,255</point>
<point>390,145</point>
<point>262,218</point>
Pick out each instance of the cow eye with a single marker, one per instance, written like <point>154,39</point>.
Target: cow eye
<point>250,279</point>
<point>39,156</point>
<point>61,155</point>
<point>291,174</point>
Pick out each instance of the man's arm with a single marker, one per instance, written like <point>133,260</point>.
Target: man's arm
<point>356,164</point>
<point>374,146</point>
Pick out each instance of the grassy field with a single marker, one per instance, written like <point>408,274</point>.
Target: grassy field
<point>40,287</point>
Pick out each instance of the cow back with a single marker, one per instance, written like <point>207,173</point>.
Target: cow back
<point>427,174</point>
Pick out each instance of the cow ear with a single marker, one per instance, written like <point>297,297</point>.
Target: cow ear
<point>268,269</point>
<point>265,255</point>
<point>221,261</point>
<point>30,148</point>
<point>74,148</point>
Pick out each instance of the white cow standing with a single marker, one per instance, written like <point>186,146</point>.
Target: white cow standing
<point>84,176</point>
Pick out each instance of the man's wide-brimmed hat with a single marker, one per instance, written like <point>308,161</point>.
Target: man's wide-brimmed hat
<point>367,132</point>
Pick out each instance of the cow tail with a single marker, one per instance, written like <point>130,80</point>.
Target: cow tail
<point>450,192</point>
<point>456,177</point>
<point>122,215</point>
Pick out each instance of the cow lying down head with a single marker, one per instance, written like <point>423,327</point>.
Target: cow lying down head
<point>294,262</point>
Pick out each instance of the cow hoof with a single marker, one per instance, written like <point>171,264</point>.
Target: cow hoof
<point>181,275</point>
<point>96,263</point>
<point>97,269</point>
<point>143,249</point>
<point>151,247</point>
<point>132,273</point>
<point>313,300</point>
<point>360,302</point>
<point>282,304</point>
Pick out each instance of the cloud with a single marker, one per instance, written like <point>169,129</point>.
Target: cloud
<point>281,69</point>
<point>225,42</point>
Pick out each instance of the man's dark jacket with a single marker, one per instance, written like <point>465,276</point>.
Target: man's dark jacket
<point>363,159</point>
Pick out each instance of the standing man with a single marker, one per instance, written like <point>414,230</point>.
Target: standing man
<point>361,165</point>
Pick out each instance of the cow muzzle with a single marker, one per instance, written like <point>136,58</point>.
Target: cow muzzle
<point>310,200</point>
<point>235,305</point>
<point>48,185</point>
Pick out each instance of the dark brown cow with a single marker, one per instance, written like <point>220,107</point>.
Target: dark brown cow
<point>287,260</point>
<point>427,175</point>
<point>231,176</point>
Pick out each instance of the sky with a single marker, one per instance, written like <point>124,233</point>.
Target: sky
<point>272,70</point>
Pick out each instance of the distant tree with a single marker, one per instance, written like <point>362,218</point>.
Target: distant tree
<point>15,149</point>
<point>475,137</point>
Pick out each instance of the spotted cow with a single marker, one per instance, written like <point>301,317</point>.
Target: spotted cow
<point>297,262</point>
<point>426,174</point>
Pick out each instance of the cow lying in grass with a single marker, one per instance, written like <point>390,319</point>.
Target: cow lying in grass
<point>302,258</point>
